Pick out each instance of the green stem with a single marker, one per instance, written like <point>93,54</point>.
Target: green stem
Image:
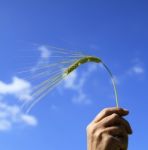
<point>113,82</point>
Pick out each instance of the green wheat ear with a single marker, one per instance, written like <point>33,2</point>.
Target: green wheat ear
<point>86,59</point>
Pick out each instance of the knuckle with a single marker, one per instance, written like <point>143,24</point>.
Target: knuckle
<point>109,139</point>
<point>102,131</point>
<point>115,116</point>
<point>105,111</point>
<point>97,135</point>
<point>94,131</point>
<point>90,129</point>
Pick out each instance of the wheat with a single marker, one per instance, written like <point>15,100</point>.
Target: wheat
<point>51,74</point>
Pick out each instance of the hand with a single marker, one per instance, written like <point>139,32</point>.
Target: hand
<point>109,130</point>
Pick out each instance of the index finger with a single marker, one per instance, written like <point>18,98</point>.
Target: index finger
<point>109,111</point>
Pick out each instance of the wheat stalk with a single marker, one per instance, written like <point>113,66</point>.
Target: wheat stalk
<point>96,60</point>
<point>64,64</point>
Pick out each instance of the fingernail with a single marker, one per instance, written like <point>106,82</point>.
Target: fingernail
<point>126,110</point>
<point>122,109</point>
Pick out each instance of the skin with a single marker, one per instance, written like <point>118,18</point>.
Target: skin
<point>109,130</point>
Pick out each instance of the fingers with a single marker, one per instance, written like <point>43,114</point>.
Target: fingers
<point>109,111</point>
<point>116,131</point>
<point>109,130</point>
<point>111,138</point>
<point>115,120</point>
<point>119,134</point>
<point>115,138</point>
<point>114,143</point>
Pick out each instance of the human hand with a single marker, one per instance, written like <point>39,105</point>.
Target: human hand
<point>109,130</point>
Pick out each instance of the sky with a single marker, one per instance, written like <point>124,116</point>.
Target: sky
<point>115,31</point>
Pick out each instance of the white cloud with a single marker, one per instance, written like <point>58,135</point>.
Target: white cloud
<point>137,69</point>
<point>81,98</point>
<point>70,81</point>
<point>77,82</point>
<point>116,80</point>
<point>30,120</point>
<point>45,53</point>
<point>5,125</point>
<point>19,88</point>
<point>53,107</point>
<point>11,115</point>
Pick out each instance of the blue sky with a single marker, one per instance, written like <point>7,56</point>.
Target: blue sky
<point>114,30</point>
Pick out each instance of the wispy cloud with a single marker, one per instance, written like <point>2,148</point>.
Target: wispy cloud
<point>136,70</point>
<point>45,53</point>
<point>19,88</point>
<point>70,81</point>
<point>54,107</point>
<point>28,119</point>
<point>10,115</point>
<point>81,98</point>
<point>77,82</point>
